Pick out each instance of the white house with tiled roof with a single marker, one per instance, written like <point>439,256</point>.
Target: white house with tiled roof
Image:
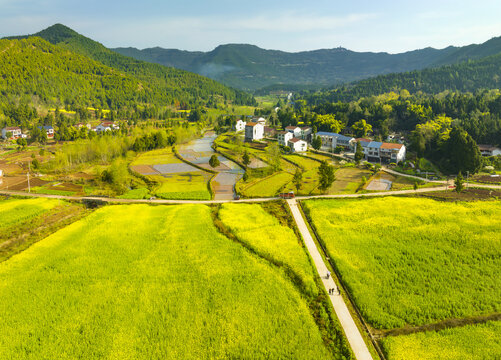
<point>297,145</point>
<point>254,131</point>
<point>283,137</point>
<point>15,132</point>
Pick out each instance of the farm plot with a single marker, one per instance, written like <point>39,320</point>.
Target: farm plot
<point>156,282</point>
<point>414,261</point>
<point>187,186</point>
<point>310,175</point>
<point>15,212</point>
<point>266,187</point>
<point>260,230</point>
<point>473,342</point>
<point>348,179</point>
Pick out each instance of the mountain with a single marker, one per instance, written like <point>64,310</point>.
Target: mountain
<point>35,68</point>
<point>170,85</point>
<point>250,67</point>
<point>463,77</point>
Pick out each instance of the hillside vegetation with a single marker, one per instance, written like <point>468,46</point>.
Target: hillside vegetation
<point>154,83</point>
<point>250,67</point>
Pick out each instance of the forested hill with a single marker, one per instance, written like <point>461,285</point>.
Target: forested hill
<point>33,69</point>
<point>167,85</point>
<point>463,77</point>
<point>250,67</point>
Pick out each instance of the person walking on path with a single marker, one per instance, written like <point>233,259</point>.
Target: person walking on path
<point>328,274</point>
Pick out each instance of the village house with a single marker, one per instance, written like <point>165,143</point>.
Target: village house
<point>306,132</point>
<point>331,141</point>
<point>283,137</point>
<point>392,153</point>
<point>375,151</point>
<point>254,131</point>
<point>295,130</point>
<point>489,150</point>
<point>240,125</point>
<point>297,145</point>
<point>258,120</point>
<point>81,125</point>
<point>269,131</point>
<point>106,126</point>
<point>49,130</point>
<point>15,132</point>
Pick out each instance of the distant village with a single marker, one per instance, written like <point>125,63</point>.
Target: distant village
<point>15,132</point>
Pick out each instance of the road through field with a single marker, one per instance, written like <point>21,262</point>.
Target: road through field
<point>350,328</point>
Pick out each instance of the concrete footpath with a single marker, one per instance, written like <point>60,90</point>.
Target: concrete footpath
<point>350,328</point>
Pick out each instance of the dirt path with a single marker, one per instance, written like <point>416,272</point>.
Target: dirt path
<point>351,331</point>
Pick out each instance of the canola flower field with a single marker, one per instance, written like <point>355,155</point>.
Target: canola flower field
<point>414,261</point>
<point>473,342</point>
<point>156,282</point>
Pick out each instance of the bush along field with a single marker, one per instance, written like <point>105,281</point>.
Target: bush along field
<point>156,282</point>
<point>414,261</point>
<point>26,221</point>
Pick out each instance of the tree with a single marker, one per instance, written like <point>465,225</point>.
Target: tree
<point>214,161</point>
<point>416,185</point>
<point>22,142</point>
<point>359,154</point>
<point>246,159</point>
<point>297,180</point>
<point>459,182</point>
<point>326,176</point>
<point>361,128</point>
<point>316,143</point>
<point>461,153</point>
<point>246,176</point>
<point>273,156</point>
<point>35,164</point>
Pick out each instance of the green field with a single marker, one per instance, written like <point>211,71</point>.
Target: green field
<point>155,282</point>
<point>188,186</point>
<point>348,179</point>
<point>473,342</point>
<point>412,260</point>
<point>156,157</point>
<point>15,212</point>
<point>260,230</point>
<point>266,187</point>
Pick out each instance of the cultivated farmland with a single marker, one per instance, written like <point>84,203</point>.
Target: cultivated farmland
<point>412,261</point>
<point>260,230</point>
<point>474,342</point>
<point>156,282</point>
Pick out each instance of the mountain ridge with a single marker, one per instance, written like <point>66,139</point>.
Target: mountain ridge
<point>250,67</point>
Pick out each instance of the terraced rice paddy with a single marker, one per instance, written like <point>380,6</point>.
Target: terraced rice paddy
<point>414,261</point>
<point>156,282</point>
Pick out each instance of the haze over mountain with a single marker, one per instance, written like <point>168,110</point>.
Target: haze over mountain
<point>249,67</point>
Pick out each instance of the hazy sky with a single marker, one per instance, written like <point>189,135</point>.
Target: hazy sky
<point>295,25</point>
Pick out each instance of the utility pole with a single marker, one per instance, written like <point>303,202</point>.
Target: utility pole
<point>28,174</point>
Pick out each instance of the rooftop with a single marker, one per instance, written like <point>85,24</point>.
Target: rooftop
<point>391,146</point>
<point>252,124</point>
<point>337,136</point>
<point>295,140</point>
<point>375,144</point>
